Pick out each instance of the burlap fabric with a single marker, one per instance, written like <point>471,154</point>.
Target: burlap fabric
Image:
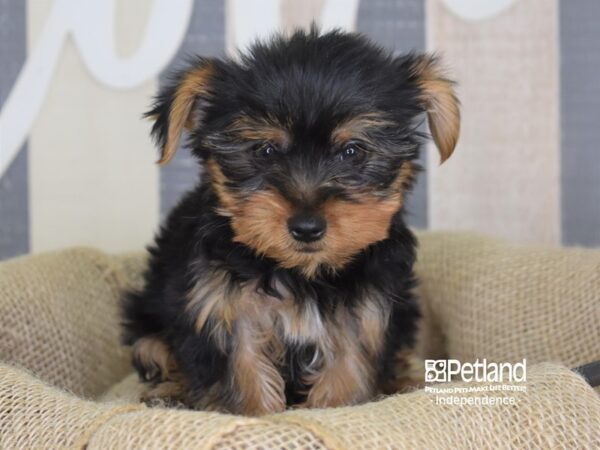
<point>559,411</point>
<point>486,298</point>
<point>483,298</point>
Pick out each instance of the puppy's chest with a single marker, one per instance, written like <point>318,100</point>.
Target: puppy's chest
<point>228,311</point>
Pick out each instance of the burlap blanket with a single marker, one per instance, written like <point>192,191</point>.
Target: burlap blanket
<point>65,379</point>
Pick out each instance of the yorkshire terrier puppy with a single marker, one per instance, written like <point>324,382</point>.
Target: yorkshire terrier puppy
<point>284,278</point>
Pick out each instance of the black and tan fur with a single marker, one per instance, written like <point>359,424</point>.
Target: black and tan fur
<point>242,310</point>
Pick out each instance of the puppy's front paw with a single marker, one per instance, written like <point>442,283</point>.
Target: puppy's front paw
<point>166,394</point>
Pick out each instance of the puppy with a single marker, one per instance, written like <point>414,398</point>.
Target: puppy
<point>284,278</point>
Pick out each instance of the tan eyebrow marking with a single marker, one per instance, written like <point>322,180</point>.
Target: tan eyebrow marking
<point>358,127</point>
<point>259,129</point>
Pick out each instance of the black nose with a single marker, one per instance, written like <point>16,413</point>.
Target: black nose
<point>306,227</point>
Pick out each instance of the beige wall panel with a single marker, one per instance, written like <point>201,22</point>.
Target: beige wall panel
<point>92,177</point>
<point>300,14</point>
<point>504,177</point>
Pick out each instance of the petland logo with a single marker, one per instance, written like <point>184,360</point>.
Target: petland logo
<point>494,382</point>
<point>442,370</point>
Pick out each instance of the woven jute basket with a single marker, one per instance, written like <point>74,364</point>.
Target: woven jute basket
<point>65,381</point>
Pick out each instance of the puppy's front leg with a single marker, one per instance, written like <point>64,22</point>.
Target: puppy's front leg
<point>236,323</point>
<point>258,387</point>
<point>345,378</point>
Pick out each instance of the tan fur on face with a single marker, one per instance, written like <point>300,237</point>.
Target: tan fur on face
<point>351,227</point>
<point>260,222</point>
<point>219,182</point>
<point>358,128</point>
<point>442,105</point>
<point>404,179</point>
<point>262,130</point>
<point>195,83</point>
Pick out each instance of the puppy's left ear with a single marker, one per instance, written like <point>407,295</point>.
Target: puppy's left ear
<point>440,102</point>
<point>180,106</point>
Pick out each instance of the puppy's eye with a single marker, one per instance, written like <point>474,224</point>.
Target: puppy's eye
<point>349,151</point>
<point>266,150</point>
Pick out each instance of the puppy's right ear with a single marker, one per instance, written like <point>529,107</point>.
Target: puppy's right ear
<point>179,105</point>
<point>441,104</point>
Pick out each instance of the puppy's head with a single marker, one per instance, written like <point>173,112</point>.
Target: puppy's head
<point>308,141</point>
